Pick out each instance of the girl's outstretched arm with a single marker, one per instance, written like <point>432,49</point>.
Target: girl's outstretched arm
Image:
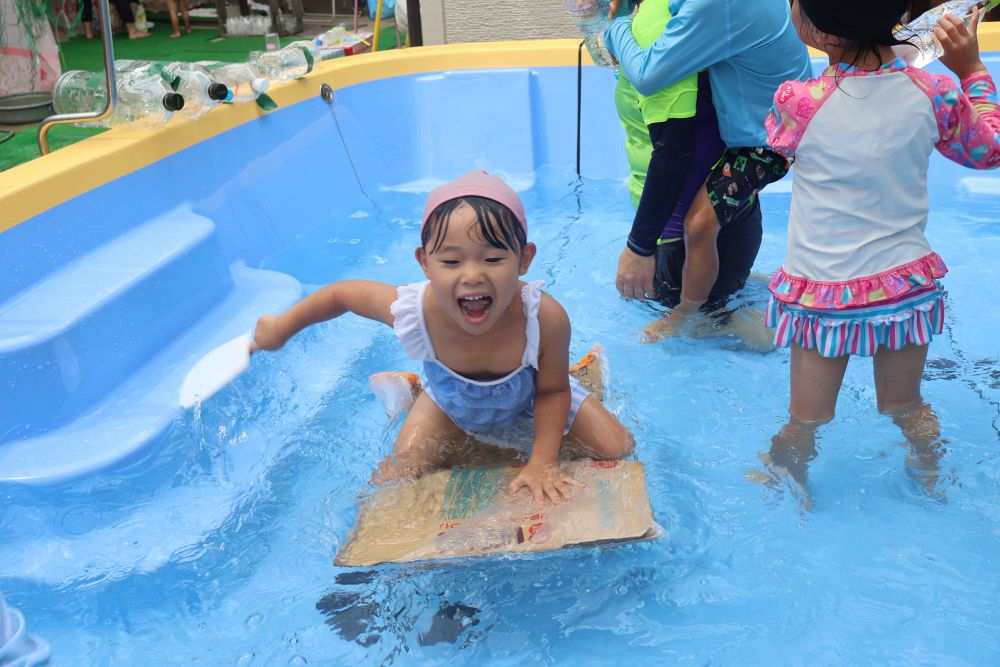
<point>542,475</point>
<point>362,297</point>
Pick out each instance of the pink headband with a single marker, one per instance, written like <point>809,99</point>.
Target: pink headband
<point>477,183</point>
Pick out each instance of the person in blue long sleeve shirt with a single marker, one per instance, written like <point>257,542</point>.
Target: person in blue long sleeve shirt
<point>749,47</point>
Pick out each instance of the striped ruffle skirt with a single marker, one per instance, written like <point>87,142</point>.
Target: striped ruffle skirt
<point>911,320</point>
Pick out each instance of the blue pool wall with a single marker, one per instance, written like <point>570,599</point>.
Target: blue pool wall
<point>243,196</point>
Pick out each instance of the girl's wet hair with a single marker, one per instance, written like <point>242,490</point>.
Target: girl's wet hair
<point>863,25</point>
<point>496,224</point>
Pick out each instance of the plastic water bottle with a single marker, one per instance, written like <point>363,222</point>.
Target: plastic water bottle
<point>591,19</point>
<point>144,100</point>
<point>922,47</point>
<point>310,46</point>
<point>243,79</point>
<point>335,36</point>
<point>247,25</point>
<point>201,93</point>
<point>339,41</point>
<point>285,64</point>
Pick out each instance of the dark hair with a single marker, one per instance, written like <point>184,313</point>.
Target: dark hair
<point>864,25</point>
<point>497,224</point>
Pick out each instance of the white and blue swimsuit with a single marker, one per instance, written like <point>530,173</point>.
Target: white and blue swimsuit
<point>494,411</point>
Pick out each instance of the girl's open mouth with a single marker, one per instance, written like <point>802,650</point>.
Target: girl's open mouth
<point>475,309</point>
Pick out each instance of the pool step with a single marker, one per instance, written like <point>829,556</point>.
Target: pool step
<point>78,333</point>
<point>134,416</point>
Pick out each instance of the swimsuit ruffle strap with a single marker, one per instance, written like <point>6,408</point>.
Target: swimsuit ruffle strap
<point>859,292</point>
<point>408,313</point>
<point>531,299</point>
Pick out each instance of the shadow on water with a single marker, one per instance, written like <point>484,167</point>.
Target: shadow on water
<point>360,612</point>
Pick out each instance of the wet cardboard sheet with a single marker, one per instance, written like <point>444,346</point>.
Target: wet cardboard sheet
<point>467,511</point>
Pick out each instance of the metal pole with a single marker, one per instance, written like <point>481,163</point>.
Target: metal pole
<point>415,31</point>
<point>579,103</point>
<point>111,99</point>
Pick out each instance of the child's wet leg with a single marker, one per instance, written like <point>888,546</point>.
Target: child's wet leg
<point>701,263</point>
<point>172,8</point>
<point>897,385</point>
<point>426,430</point>
<point>815,383</point>
<point>698,275</point>
<point>598,433</point>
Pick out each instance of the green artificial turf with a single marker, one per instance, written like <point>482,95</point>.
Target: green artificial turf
<point>88,54</point>
<point>23,146</point>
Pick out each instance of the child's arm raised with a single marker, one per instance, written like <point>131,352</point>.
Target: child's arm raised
<point>362,297</point>
<point>542,475</point>
<point>968,121</point>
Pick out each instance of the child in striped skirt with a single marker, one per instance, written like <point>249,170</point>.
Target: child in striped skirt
<point>859,276</point>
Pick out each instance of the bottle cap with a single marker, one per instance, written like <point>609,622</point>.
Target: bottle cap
<point>218,91</point>
<point>260,85</point>
<point>173,101</point>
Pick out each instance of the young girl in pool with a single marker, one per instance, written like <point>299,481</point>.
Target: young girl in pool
<point>859,276</point>
<point>495,350</point>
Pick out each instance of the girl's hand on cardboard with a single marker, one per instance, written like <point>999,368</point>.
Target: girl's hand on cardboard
<point>544,481</point>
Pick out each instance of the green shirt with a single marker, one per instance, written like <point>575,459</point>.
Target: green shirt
<point>679,100</point>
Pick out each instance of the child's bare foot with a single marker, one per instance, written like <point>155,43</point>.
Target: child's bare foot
<point>793,477</point>
<point>175,35</point>
<point>677,322</point>
<point>138,35</point>
<point>926,471</point>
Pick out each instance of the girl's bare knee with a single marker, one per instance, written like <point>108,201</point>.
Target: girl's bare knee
<point>620,444</point>
<point>701,229</point>
<point>626,443</point>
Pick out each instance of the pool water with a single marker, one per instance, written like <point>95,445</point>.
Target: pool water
<point>218,548</point>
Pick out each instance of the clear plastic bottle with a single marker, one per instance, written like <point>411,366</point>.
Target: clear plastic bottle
<point>339,41</point>
<point>310,46</point>
<point>243,79</point>
<point>922,48</point>
<point>247,25</point>
<point>285,64</point>
<point>201,92</point>
<point>335,36</point>
<point>591,19</point>
<point>144,100</point>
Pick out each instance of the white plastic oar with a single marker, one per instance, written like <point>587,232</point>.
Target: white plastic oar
<point>215,370</point>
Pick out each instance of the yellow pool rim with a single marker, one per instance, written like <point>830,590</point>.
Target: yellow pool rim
<point>36,186</point>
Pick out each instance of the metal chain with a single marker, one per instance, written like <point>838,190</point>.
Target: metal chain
<point>327,95</point>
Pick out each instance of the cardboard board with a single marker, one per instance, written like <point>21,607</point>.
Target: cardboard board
<point>467,511</point>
